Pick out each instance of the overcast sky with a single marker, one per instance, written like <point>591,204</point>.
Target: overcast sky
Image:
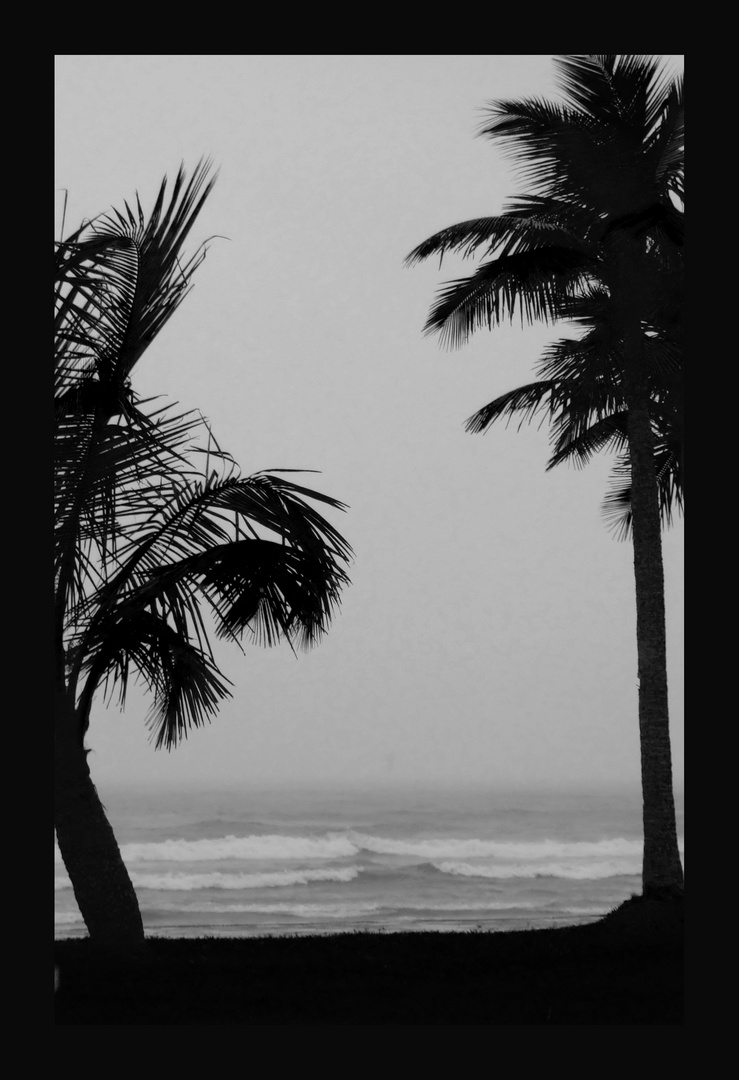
<point>489,633</point>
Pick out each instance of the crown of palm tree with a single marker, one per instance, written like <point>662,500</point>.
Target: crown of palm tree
<point>150,525</point>
<point>603,169</point>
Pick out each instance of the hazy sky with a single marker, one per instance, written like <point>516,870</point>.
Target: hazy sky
<point>489,633</point>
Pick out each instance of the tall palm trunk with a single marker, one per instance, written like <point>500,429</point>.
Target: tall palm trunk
<point>100,880</point>
<point>662,872</point>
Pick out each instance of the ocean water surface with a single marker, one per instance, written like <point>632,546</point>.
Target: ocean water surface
<point>243,863</point>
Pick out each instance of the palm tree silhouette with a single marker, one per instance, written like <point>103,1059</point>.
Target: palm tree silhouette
<point>580,393</point>
<point>598,242</point>
<point>152,526</point>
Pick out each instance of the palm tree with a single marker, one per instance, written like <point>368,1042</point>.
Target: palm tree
<point>150,527</point>
<point>577,391</point>
<point>598,242</point>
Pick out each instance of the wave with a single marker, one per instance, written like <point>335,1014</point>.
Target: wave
<point>332,846</point>
<point>340,845</point>
<point>326,910</point>
<point>354,910</point>
<point>582,871</point>
<point>535,849</point>
<point>218,880</point>
<point>350,908</point>
<point>241,847</point>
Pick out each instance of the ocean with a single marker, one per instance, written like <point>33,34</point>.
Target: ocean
<point>283,862</point>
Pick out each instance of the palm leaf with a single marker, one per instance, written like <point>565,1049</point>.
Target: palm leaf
<point>525,400</point>
<point>616,507</point>
<point>185,684</point>
<point>599,149</point>
<point>121,278</point>
<point>527,223</point>
<point>205,545</point>
<point>537,284</point>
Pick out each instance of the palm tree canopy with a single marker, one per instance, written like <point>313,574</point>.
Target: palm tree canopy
<point>603,169</point>
<point>613,149</point>
<point>150,524</point>
<point>120,278</point>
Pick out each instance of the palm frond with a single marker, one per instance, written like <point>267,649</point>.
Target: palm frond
<point>538,285</point>
<point>619,89</point>
<point>577,439</point>
<point>253,549</point>
<point>185,683</point>
<point>525,401</point>
<point>527,223</point>
<point>148,538</point>
<point>116,281</point>
<point>545,142</point>
<point>109,477</point>
<point>598,149</point>
<point>94,287</point>
<point>604,176</point>
<point>121,278</point>
<point>616,507</point>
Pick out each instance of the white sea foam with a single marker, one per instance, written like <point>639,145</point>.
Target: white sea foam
<point>587,870</point>
<point>348,908</point>
<point>461,848</point>
<point>182,882</point>
<point>241,847</point>
<point>331,910</point>
<point>338,845</point>
<point>218,880</point>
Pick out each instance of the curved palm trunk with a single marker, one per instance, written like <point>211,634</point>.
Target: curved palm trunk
<point>100,880</point>
<point>662,872</point>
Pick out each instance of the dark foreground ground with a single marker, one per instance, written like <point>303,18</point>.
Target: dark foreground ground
<point>625,969</point>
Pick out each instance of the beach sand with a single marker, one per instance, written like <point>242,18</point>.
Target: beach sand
<point>624,969</point>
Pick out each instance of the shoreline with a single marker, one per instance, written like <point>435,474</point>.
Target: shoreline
<point>623,969</point>
<point>236,932</point>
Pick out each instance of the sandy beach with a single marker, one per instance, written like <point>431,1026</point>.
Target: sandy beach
<point>624,969</point>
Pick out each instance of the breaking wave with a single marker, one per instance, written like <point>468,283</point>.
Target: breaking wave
<point>537,849</point>
<point>583,871</point>
<point>217,880</point>
<point>335,845</point>
<point>332,846</point>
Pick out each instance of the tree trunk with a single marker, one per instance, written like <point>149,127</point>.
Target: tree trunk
<point>100,880</point>
<point>662,872</point>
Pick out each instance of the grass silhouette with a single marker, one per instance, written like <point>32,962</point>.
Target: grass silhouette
<point>623,969</point>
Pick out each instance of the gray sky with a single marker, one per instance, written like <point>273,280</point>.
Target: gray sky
<point>489,633</point>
